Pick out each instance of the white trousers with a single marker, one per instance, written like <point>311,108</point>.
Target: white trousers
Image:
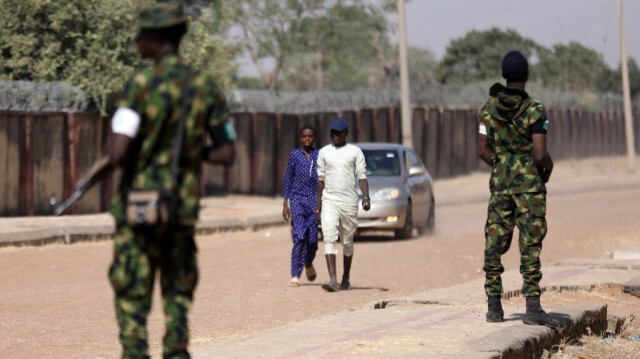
<point>338,221</point>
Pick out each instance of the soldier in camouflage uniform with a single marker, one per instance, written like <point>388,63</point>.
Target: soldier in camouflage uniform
<point>512,140</point>
<point>143,134</point>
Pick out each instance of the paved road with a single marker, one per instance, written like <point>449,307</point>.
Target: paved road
<point>55,301</point>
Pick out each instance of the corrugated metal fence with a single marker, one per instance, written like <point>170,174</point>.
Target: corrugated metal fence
<point>44,153</point>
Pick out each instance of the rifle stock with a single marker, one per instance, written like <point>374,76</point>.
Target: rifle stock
<point>81,187</point>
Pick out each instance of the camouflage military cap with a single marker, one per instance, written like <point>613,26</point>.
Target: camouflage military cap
<point>162,15</point>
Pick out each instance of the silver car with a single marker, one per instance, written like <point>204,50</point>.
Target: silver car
<point>401,191</point>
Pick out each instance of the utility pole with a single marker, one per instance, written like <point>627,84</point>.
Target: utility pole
<point>405,110</point>
<point>628,122</point>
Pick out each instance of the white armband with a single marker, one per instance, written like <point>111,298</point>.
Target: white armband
<point>125,122</point>
<point>483,129</point>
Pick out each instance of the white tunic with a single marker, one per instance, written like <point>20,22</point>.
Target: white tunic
<point>340,168</point>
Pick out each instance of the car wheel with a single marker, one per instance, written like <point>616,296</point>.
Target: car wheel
<point>430,228</point>
<point>406,232</point>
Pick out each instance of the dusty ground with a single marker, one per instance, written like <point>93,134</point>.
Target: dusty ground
<point>55,301</point>
<point>624,344</point>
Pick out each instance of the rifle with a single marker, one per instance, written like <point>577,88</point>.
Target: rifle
<point>81,187</point>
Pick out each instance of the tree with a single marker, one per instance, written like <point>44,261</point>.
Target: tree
<point>266,28</point>
<point>205,46</point>
<point>611,80</point>
<point>312,44</point>
<point>90,44</point>
<point>83,42</point>
<point>338,48</point>
<point>422,66</point>
<point>477,55</point>
<point>572,67</point>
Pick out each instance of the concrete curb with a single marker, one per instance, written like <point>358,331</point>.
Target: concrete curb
<point>523,341</point>
<point>443,323</point>
<point>73,229</point>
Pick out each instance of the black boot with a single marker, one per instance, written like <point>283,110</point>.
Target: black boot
<point>345,285</point>
<point>495,314</point>
<point>332,285</point>
<point>536,316</point>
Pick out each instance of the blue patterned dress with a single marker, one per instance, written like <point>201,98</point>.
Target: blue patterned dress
<point>301,188</point>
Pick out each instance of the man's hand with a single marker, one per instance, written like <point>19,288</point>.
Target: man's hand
<point>286,211</point>
<point>319,200</point>
<point>366,203</point>
<point>364,187</point>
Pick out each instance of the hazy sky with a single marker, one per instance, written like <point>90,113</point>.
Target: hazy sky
<point>432,24</point>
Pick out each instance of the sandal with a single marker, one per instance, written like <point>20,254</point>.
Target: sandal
<point>294,282</point>
<point>331,287</point>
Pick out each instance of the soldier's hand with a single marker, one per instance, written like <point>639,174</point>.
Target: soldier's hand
<point>546,174</point>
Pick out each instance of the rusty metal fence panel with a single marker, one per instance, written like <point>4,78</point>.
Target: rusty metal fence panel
<point>44,153</point>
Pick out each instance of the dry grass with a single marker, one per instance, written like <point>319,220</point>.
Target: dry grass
<point>625,344</point>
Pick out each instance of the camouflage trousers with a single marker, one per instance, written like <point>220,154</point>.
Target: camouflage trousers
<point>138,254</point>
<point>527,212</point>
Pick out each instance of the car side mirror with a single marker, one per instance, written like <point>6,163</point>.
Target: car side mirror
<point>416,171</point>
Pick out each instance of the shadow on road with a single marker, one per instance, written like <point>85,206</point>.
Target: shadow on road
<point>379,237</point>
<point>381,289</point>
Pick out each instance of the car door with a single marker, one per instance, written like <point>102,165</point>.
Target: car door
<point>419,188</point>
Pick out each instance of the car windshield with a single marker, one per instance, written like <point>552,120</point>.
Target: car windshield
<point>382,162</point>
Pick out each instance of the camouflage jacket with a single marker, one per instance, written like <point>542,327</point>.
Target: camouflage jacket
<point>509,116</point>
<point>156,94</point>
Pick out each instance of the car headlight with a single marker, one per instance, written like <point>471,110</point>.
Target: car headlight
<point>386,194</point>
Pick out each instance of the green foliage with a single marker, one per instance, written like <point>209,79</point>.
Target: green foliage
<point>572,67</point>
<point>82,42</point>
<point>266,31</point>
<point>311,44</point>
<point>90,44</point>
<point>336,50</point>
<point>477,56</point>
<point>295,45</point>
<point>204,46</point>
<point>611,81</point>
<point>422,66</point>
<point>634,77</point>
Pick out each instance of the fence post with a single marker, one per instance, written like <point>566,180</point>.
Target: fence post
<point>357,125</point>
<point>459,142</point>
<point>445,141</point>
<point>26,168</point>
<point>71,142</point>
<point>254,149</point>
<point>431,135</point>
<point>277,152</point>
<point>390,124</point>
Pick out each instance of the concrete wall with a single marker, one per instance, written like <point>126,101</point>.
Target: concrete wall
<point>43,154</point>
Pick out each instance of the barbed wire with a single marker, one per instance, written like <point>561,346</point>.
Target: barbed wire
<point>42,96</point>
<point>58,96</point>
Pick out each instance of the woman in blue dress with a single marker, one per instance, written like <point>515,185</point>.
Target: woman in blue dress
<point>299,192</point>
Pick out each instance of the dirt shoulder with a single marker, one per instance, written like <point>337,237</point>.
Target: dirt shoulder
<point>55,300</point>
